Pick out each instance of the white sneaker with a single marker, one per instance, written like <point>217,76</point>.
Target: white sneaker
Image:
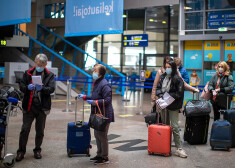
<point>181,153</point>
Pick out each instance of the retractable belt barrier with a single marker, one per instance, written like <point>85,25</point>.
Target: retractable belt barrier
<point>118,83</point>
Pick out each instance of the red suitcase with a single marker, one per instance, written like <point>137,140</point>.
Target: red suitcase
<point>159,139</point>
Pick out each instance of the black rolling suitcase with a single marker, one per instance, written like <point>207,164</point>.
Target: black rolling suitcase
<point>197,121</point>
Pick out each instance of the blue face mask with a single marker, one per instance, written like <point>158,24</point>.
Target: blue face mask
<point>39,69</point>
<point>95,76</point>
<point>168,71</point>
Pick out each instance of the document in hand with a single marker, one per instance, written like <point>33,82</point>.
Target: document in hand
<point>37,80</point>
<point>165,101</point>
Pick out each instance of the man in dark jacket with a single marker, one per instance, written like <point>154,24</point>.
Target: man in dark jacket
<point>36,104</point>
<point>102,97</point>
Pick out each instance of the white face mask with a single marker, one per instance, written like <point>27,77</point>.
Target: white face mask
<point>221,70</point>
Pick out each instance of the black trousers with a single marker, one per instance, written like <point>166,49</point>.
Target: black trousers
<point>216,108</point>
<point>28,118</point>
<point>216,111</point>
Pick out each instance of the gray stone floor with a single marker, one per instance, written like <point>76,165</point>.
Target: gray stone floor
<point>128,141</point>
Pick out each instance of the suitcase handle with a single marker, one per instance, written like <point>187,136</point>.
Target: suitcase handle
<point>197,94</point>
<point>80,124</point>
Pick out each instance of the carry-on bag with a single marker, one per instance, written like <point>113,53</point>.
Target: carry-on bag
<point>196,129</point>
<point>197,107</point>
<point>230,117</point>
<point>151,118</point>
<point>159,138</point>
<point>221,133</point>
<point>78,136</point>
<point>98,121</point>
<point>196,126</point>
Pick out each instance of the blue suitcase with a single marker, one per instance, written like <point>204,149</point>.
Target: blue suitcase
<point>78,136</point>
<point>221,134</point>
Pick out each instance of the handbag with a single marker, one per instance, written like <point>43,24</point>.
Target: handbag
<point>98,121</point>
<point>205,93</point>
<point>197,108</point>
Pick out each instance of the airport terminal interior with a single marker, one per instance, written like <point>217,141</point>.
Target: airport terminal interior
<point>131,39</point>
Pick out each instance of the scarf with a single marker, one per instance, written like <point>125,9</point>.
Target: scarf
<point>221,76</point>
<point>166,84</point>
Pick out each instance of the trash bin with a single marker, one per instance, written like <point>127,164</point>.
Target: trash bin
<point>18,76</point>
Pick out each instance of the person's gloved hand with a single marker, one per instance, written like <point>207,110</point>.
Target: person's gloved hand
<point>80,96</point>
<point>38,87</point>
<point>90,101</point>
<point>31,86</point>
<point>196,90</point>
<point>214,92</point>
<point>217,90</point>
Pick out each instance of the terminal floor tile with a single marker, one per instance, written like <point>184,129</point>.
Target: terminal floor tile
<point>127,141</point>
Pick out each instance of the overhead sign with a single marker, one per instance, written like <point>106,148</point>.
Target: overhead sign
<point>93,17</point>
<point>15,12</point>
<point>135,40</point>
<point>221,19</point>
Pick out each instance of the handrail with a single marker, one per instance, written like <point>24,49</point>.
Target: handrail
<point>76,47</point>
<point>82,51</point>
<point>63,59</point>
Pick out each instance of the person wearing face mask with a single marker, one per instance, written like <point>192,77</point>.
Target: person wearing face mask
<point>220,85</point>
<point>157,79</point>
<point>173,84</point>
<point>102,96</point>
<point>36,105</point>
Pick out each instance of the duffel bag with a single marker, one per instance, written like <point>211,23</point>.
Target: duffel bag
<point>197,108</point>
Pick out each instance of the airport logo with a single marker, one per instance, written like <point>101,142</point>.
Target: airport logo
<point>230,44</point>
<point>103,8</point>
<point>212,44</point>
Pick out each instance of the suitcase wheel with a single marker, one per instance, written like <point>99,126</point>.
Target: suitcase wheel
<point>212,147</point>
<point>88,152</point>
<point>69,152</point>
<point>228,149</point>
<point>150,153</point>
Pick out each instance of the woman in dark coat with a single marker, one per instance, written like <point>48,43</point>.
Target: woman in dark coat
<point>220,85</point>
<point>101,94</point>
<point>173,84</point>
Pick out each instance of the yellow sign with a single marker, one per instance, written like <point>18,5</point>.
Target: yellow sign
<point>212,45</point>
<point>230,45</point>
<point>147,74</point>
<point>3,42</point>
<point>193,45</point>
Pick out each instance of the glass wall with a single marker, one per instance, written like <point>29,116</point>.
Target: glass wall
<point>207,16</point>
<point>161,25</point>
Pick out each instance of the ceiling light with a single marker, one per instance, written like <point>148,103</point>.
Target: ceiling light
<point>107,14</point>
<point>187,8</point>
<point>151,20</point>
<point>124,16</point>
<point>163,22</point>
